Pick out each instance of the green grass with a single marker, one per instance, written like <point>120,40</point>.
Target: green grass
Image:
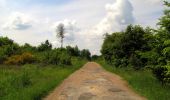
<point>32,82</point>
<point>143,82</point>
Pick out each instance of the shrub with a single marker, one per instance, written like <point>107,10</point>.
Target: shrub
<point>2,56</point>
<point>45,46</point>
<point>162,74</point>
<point>20,59</point>
<point>57,56</point>
<point>135,62</point>
<point>27,58</point>
<point>65,59</point>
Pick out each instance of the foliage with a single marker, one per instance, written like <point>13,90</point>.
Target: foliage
<point>165,20</point>
<point>73,51</point>
<point>141,48</point>
<point>120,48</point>
<point>162,74</point>
<point>28,48</point>
<point>20,59</point>
<point>57,56</point>
<point>142,81</point>
<point>45,46</point>
<point>95,57</point>
<point>7,48</point>
<point>33,82</point>
<point>5,41</point>
<point>3,56</point>
<point>85,53</point>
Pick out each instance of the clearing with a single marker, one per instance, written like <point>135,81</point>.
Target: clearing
<point>92,82</point>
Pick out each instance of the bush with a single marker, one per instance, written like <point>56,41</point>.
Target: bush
<point>65,59</point>
<point>45,46</point>
<point>135,62</point>
<point>162,74</point>
<point>20,59</point>
<point>57,56</point>
<point>2,56</point>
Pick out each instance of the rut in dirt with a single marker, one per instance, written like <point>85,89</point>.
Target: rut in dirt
<point>92,82</point>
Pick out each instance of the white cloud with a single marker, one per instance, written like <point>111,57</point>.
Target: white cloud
<point>92,20</point>
<point>119,14</point>
<point>18,21</point>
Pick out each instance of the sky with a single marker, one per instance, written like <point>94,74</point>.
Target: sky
<point>85,21</point>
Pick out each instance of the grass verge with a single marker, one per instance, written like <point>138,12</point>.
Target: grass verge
<point>143,82</point>
<point>32,82</point>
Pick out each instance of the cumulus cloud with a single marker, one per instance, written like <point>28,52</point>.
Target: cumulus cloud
<point>18,21</point>
<point>40,22</point>
<point>119,14</point>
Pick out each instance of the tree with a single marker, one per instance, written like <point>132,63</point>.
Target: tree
<point>60,33</point>
<point>5,41</point>
<point>45,46</point>
<point>165,20</point>
<point>118,48</point>
<point>85,53</point>
<point>73,51</point>
<point>28,48</point>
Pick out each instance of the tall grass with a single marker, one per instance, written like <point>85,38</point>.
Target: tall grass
<point>32,82</point>
<point>143,82</point>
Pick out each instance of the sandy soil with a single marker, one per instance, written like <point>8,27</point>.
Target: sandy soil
<point>92,82</point>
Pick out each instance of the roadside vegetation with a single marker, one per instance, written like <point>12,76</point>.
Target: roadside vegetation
<point>29,72</point>
<point>142,81</point>
<point>141,56</point>
<point>33,81</point>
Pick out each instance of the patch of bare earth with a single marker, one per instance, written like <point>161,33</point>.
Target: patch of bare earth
<point>92,82</point>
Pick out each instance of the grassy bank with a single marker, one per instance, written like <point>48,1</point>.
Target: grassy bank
<point>143,82</point>
<point>32,82</point>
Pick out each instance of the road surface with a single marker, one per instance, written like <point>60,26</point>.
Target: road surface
<point>92,82</point>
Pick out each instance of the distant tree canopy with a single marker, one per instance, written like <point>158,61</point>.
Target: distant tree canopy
<point>45,46</point>
<point>12,53</point>
<point>74,51</point>
<point>5,41</point>
<point>86,54</point>
<point>121,46</point>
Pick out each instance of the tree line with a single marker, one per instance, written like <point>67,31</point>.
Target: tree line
<point>14,54</point>
<point>141,48</point>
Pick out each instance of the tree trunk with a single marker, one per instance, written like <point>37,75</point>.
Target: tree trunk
<point>61,42</point>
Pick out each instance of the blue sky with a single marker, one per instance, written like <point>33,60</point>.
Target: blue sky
<point>86,21</point>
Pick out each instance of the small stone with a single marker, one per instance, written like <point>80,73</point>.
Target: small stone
<point>114,90</point>
<point>86,96</point>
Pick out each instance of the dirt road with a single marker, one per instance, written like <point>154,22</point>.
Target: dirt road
<point>92,82</point>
